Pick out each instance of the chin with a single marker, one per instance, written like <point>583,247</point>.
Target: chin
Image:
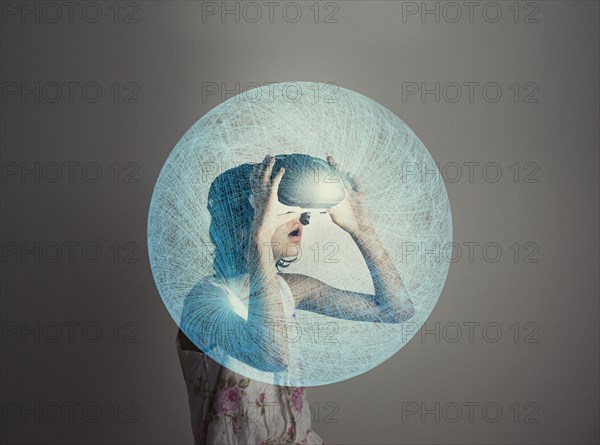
<point>291,247</point>
<point>296,240</point>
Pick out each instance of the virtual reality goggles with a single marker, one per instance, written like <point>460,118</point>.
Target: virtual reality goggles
<point>308,183</point>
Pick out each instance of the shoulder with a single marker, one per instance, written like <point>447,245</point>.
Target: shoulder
<point>204,298</point>
<point>207,286</point>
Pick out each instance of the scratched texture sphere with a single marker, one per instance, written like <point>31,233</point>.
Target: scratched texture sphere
<point>403,189</point>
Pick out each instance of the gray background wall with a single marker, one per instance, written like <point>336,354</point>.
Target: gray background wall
<point>88,347</point>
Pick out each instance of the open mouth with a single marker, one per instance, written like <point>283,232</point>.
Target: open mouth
<point>296,231</point>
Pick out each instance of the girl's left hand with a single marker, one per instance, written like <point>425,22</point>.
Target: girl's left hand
<point>350,214</point>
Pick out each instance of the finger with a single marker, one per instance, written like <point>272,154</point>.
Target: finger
<point>275,185</point>
<point>340,171</point>
<point>332,162</point>
<point>266,176</point>
<point>277,178</point>
<point>254,181</point>
<point>257,169</point>
<point>354,182</point>
<point>255,172</point>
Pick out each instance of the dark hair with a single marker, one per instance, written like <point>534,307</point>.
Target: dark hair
<point>231,219</point>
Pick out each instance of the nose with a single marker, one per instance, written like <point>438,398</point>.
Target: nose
<point>305,219</point>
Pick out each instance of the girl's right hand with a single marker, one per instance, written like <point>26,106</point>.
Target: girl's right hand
<point>265,202</point>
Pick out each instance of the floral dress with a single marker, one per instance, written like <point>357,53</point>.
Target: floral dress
<point>228,408</point>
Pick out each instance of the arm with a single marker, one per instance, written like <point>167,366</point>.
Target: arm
<point>391,302</point>
<point>391,296</point>
<point>265,308</point>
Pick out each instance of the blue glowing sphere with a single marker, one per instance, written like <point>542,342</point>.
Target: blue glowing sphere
<point>201,215</point>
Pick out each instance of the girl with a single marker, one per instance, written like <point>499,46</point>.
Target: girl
<point>254,240</point>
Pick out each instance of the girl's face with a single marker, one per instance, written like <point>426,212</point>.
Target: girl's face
<point>286,240</point>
